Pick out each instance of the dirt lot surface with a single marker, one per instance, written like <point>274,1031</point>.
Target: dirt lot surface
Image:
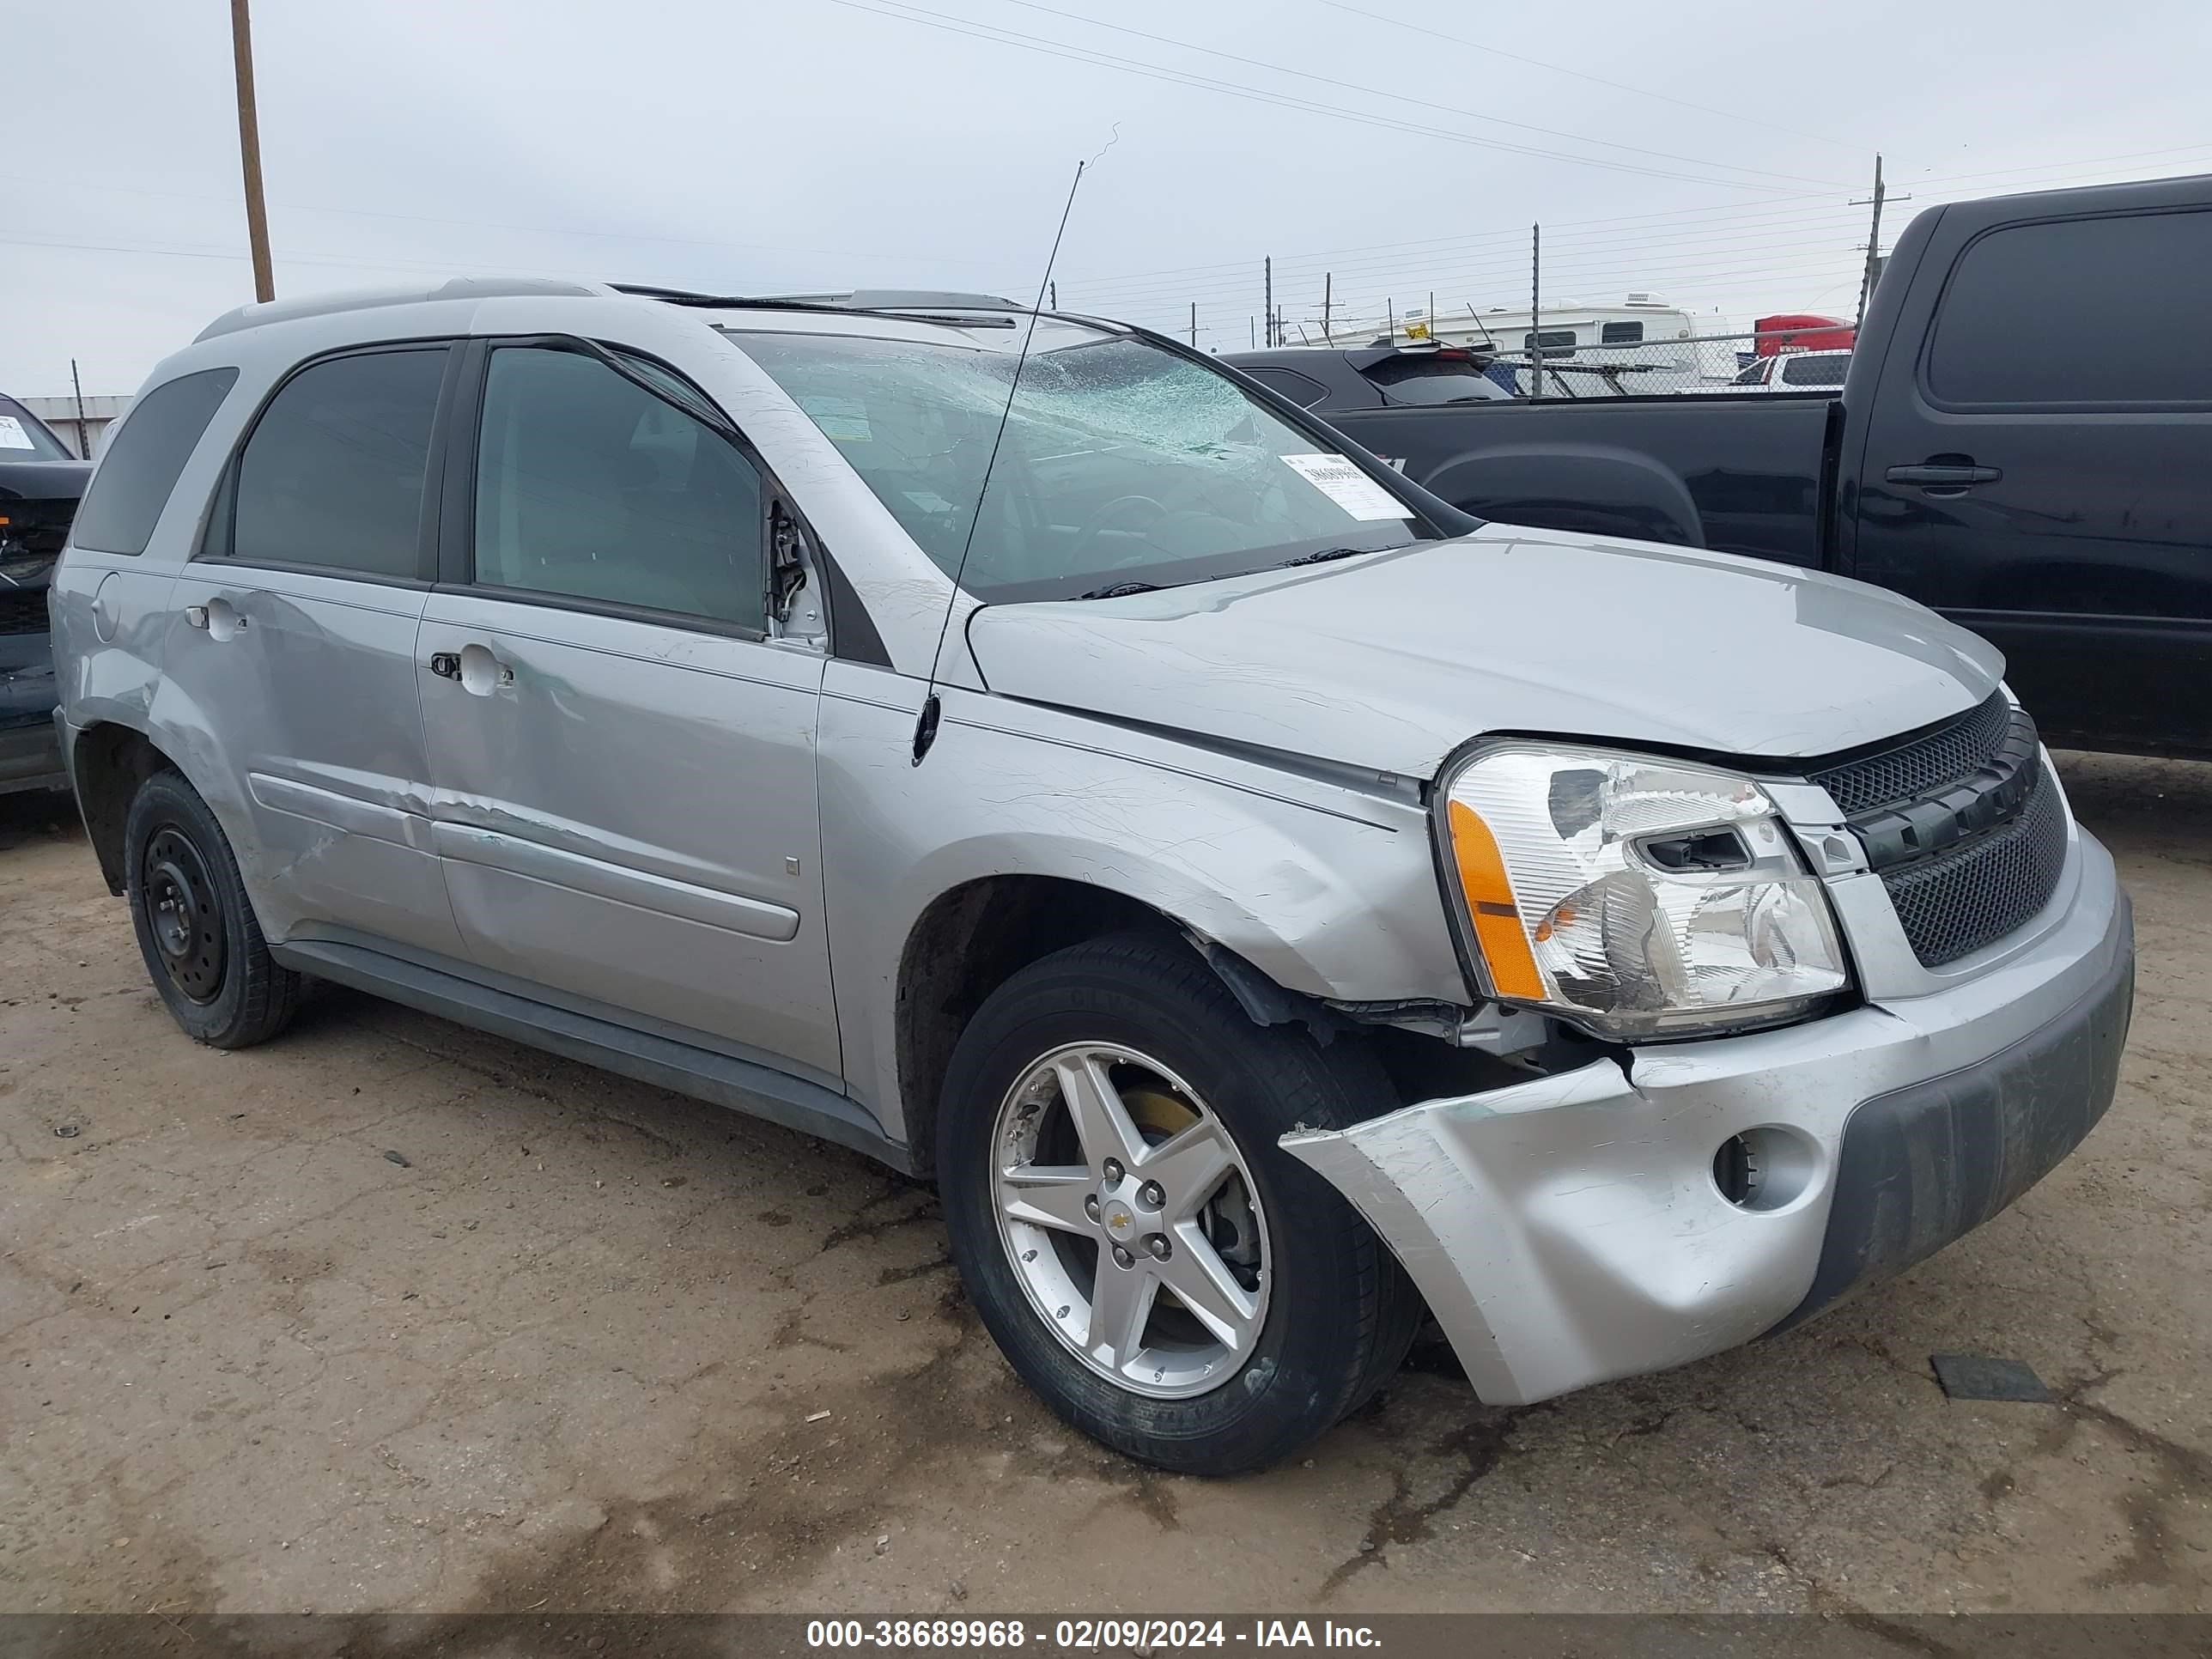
<point>388,1314</point>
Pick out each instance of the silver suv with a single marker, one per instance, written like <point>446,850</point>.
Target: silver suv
<point>1272,906</point>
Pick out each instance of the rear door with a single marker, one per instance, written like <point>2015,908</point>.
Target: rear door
<point>2035,462</point>
<point>623,758</point>
<point>294,639</point>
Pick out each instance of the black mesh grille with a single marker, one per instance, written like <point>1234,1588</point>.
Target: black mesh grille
<point>1975,894</point>
<point>22,612</point>
<point>1922,766</point>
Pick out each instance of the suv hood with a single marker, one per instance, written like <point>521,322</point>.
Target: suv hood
<point>1392,660</point>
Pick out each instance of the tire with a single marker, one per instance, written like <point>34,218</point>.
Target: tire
<point>1334,1313</point>
<point>201,942</point>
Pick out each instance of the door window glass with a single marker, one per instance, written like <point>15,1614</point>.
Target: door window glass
<point>2078,310</point>
<point>591,487</point>
<point>332,474</point>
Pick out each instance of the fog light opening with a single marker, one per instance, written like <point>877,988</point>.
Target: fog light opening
<point>1764,1168</point>
<point>1736,1171</point>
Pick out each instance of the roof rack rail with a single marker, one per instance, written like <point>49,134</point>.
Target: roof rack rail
<point>455,288</point>
<point>912,305</point>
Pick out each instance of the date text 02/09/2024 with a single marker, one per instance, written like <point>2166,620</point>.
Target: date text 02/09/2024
<point>1087,1635</point>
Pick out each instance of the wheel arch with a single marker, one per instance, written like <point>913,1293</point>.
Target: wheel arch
<point>109,760</point>
<point>974,936</point>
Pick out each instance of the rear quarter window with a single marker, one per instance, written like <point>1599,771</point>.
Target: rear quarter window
<point>143,460</point>
<point>2072,312</point>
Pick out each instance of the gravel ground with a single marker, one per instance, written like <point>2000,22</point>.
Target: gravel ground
<point>389,1315</point>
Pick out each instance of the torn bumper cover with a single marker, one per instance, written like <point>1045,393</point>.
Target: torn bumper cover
<point>1571,1229</point>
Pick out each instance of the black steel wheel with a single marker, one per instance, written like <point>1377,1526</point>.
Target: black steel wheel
<point>196,927</point>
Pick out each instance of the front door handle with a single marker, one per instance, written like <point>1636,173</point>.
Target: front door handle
<point>1941,475</point>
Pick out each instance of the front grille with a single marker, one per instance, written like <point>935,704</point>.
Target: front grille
<point>1963,824</point>
<point>1924,765</point>
<point>22,610</point>
<point>1975,893</point>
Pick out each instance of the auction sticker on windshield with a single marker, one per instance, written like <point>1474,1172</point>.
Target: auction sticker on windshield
<point>1347,486</point>
<point>12,435</point>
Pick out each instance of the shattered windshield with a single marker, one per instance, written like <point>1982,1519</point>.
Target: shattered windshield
<point>1123,466</point>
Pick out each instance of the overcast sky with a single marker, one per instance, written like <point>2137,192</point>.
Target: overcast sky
<point>1705,151</point>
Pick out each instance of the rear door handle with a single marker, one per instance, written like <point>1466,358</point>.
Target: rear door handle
<point>1937,476</point>
<point>473,667</point>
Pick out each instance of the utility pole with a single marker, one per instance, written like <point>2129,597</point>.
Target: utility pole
<point>1874,237</point>
<point>1390,318</point>
<point>1251,334</point>
<point>1193,325</point>
<point>1267,309</point>
<point>1328,287</point>
<point>249,151</point>
<point>1536,309</point>
<point>1053,288</point>
<point>83,432</point>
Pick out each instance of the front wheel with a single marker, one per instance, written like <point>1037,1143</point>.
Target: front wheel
<point>1149,1259</point>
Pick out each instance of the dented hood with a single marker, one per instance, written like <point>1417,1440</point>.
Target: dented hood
<point>1393,659</point>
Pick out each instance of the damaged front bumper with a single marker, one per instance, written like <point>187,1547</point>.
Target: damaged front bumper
<point>1572,1229</point>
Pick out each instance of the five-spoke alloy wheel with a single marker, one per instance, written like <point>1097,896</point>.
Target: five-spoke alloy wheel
<point>1130,1220</point>
<point>1148,1258</point>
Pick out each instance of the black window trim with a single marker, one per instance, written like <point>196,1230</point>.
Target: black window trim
<point>1321,393</point>
<point>1924,358</point>
<point>222,501</point>
<point>854,638</point>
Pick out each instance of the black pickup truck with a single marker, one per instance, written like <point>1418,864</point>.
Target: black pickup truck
<point>2024,443</point>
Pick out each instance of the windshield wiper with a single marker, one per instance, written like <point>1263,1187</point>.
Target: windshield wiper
<point>1328,553</point>
<point>1120,590</point>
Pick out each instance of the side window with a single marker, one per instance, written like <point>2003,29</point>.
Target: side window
<point>1755,373</point>
<point>331,475</point>
<point>1288,383</point>
<point>2077,311</point>
<point>1621,334</point>
<point>141,466</point>
<point>590,487</point>
<point>1552,341</point>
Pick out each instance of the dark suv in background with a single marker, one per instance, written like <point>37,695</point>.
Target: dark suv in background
<point>40,483</point>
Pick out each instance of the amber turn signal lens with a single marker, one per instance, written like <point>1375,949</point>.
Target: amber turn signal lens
<point>1490,907</point>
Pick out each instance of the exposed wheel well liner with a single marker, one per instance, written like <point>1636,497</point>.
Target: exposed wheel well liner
<point>110,762</point>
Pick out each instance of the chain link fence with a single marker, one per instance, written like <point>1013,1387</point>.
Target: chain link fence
<point>1565,366</point>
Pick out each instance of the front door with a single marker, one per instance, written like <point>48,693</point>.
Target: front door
<point>623,760</point>
<point>2035,462</point>
<point>294,638</point>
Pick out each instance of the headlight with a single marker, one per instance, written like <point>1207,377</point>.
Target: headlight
<point>1633,896</point>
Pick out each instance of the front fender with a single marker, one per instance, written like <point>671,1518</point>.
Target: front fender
<point>1326,890</point>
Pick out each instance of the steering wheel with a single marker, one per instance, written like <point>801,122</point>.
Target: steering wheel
<point>1100,521</point>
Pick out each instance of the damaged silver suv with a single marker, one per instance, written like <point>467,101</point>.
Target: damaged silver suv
<point>1271,905</point>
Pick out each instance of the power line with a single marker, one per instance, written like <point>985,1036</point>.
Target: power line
<point>568,232</point>
<point>991,32</point>
<point>1734,236</point>
<point>1579,75</point>
<point>1399,97</point>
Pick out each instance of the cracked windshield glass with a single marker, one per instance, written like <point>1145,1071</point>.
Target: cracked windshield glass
<point>1123,467</point>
